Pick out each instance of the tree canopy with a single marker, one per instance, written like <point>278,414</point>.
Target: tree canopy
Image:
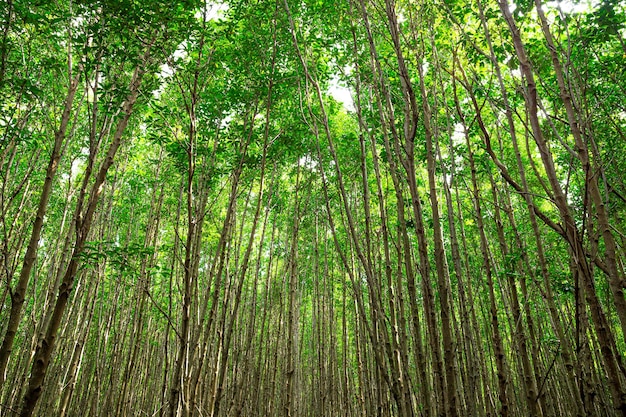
<point>312,208</point>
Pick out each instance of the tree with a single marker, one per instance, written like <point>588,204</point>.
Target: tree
<point>197,220</point>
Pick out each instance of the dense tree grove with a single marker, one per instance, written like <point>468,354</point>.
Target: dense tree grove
<point>194,221</point>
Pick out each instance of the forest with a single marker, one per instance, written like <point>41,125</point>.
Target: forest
<point>313,208</point>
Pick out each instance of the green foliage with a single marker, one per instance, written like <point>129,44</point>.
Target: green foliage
<point>225,99</point>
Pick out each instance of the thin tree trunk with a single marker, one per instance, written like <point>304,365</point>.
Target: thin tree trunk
<point>18,295</point>
<point>84,221</point>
